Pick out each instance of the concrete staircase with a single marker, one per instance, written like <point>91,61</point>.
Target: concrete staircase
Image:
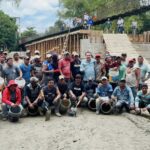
<point>120,43</point>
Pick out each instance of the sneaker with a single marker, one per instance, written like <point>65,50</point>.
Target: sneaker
<point>47,115</point>
<point>57,114</point>
<point>97,112</point>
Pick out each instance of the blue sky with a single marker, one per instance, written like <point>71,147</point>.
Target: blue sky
<point>33,13</point>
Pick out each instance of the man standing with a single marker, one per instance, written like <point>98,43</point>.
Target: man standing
<point>11,72</point>
<point>75,65</point>
<point>37,68</point>
<point>65,66</point>
<point>133,77</point>
<point>26,69</point>
<point>17,61</point>
<point>123,97</point>
<point>108,25</point>
<point>99,67</point>
<point>120,24</point>
<point>144,71</point>
<point>47,69</point>
<point>88,67</point>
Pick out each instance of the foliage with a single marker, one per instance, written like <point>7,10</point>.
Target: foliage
<point>29,32</point>
<point>103,9</point>
<point>58,26</point>
<point>8,32</point>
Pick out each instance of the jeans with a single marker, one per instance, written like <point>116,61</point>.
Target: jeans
<point>55,103</point>
<point>134,92</point>
<point>122,104</point>
<point>5,109</point>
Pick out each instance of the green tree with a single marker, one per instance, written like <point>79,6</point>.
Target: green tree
<point>8,32</point>
<point>58,25</point>
<point>29,32</point>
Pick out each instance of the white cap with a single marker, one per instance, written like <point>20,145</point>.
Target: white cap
<point>61,77</point>
<point>104,78</point>
<point>28,51</point>
<point>66,53</point>
<point>48,55</point>
<point>37,52</point>
<point>37,57</point>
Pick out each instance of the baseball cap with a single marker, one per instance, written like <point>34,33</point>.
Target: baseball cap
<point>48,55</point>
<point>66,53</point>
<point>26,57</point>
<point>61,77</point>
<point>131,60</point>
<point>123,80</point>
<point>37,56</point>
<point>104,78</point>
<point>37,52</point>
<point>144,85</point>
<point>28,51</point>
<point>97,56</point>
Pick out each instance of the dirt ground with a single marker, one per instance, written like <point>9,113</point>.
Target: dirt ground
<point>85,132</point>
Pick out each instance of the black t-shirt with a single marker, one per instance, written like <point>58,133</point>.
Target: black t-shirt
<point>50,93</point>
<point>13,96</point>
<point>37,68</point>
<point>63,88</point>
<point>31,92</point>
<point>75,67</point>
<point>90,88</point>
<point>77,89</point>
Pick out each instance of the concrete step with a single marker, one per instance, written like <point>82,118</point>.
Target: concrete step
<point>120,43</point>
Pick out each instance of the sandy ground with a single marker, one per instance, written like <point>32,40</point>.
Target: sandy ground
<point>85,132</point>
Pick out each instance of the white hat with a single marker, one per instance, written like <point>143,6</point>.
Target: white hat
<point>34,79</point>
<point>76,54</point>
<point>37,52</point>
<point>61,77</point>
<point>66,53</point>
<point>28,51</point>
<point>37,57</point>
<point>48,55</point>
<point>104,78</point>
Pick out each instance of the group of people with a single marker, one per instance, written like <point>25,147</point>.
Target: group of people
<point>57,79</point>
<point>120,26</point>
<point>87,21</point>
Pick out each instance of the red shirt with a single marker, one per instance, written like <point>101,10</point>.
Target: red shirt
<point>65,67</point>
<point>6,98</point>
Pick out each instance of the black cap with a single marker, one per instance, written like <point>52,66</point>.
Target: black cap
<point>123,80</point>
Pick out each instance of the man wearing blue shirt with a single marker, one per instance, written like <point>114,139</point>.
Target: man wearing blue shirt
<point>123,96</point>
<point>144,71</point>
<point>87,67</point>
<point>26,69</point>
<point>142,99</point>
<point>103,90</point>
